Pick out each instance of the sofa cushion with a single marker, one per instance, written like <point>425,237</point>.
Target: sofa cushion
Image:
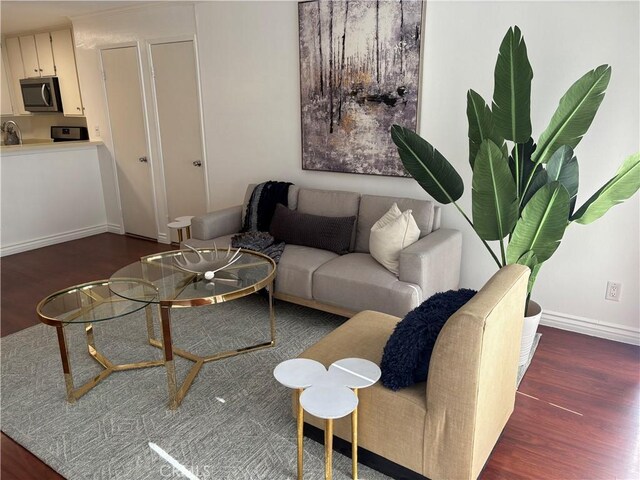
<point>357,282</point>
<point>407,354</point>
<point>390,235</point>
<point>327,233</point>
<point>364,336</point>
<point>372,207</point>
<point>296,267</point>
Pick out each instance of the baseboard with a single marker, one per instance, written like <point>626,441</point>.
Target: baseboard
<point>365,457</point>
<point>52,240</point>
<point>592,327</point>
<point>115,228</point>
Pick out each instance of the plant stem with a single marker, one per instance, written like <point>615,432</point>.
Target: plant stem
<point>502,253</point>
<point>495,258</point>
<point>517,165</point>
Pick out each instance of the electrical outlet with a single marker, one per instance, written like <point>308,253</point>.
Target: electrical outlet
<point>614,290</point>
<point>96,130</point>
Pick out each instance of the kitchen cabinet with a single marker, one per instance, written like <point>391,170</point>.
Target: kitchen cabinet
<point>15,73</point>
<point>6,107</point>
<point>65,60</point>
<point>37,57</point>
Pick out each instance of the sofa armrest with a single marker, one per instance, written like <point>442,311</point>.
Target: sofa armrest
<point>433,262</point>
<point>216,224</point>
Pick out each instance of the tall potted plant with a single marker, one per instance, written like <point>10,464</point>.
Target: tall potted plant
<point>521,191</point>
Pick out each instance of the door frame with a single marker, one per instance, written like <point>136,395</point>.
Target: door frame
<point>111,142</point>
<point>149,43</point>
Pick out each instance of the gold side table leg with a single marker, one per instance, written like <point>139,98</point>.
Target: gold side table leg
<point>272,315</point>
<point>300,427</point>
<point>354,440</point>
<point>188,232</point>
<point>179,235</point>
<point>167,348</point>
<point>66,364</point>
<point>328,449</point>
<point>151,334</point>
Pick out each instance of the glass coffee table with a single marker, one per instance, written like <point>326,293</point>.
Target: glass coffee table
<point>177,288</point>
<point>90,303</point>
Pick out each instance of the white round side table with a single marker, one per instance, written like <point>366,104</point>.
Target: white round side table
<point>329,401</point>
<point>298,374</point>
<point>179,225</point>
<point>329,395</point>
<point>354,373</point>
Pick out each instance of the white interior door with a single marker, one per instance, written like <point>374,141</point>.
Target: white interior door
<point>124,100</point>
<point>178,108</point>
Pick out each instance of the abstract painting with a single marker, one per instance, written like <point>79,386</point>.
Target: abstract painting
<point>359,75</point>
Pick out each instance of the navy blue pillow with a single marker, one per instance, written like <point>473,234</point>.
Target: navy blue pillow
<point>406,356</point>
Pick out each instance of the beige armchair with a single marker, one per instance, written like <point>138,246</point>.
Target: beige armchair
<point>444,428</point>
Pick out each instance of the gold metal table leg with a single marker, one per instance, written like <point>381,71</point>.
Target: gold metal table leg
<point>151,334</point>
<point>272,315</point>
<point>354,440</point>
<point>300,425</point>
<point>66,365</point>
<point>179,235</point>
<point>167,348</point>
<point>328,449</point>
<point>188,232</point>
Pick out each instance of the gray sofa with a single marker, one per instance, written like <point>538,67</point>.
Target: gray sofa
<point>347,284</point>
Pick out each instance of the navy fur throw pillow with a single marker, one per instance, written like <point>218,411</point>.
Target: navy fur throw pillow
<point>406,356</point>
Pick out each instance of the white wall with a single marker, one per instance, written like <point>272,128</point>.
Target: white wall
<point>249,71</point>
<point>130,26</point>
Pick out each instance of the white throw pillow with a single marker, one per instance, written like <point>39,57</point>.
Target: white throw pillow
<point>389,235</point>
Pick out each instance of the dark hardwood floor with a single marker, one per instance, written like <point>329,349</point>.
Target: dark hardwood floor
<point>577,412</point>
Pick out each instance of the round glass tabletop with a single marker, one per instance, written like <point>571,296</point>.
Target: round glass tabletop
<point>96,301</point>
<point>179,275</point>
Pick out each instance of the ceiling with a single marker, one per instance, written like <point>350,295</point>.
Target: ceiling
<point>21,16</point>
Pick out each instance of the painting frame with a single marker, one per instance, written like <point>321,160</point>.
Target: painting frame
<point>325,154</point>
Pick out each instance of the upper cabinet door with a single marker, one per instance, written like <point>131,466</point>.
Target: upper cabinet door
<point>62,46</point>
<point>45,56</point>
<point>6,108</point>
<point>15,73</point>
<point>29,56</point>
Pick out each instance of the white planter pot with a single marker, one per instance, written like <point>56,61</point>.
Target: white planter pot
<point>529,329</point>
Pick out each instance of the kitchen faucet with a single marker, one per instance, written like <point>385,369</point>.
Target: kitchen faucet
<point>17,132</point>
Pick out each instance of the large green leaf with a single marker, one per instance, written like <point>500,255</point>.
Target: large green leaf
<point>542,224</point>
<point>539,180</point>
<point>512,89</point>
<point>495,205</point>
<point>563,167</point>
<point>522,153</point>
<point>480,125</point>
<point>574,114</point>
<point>622,186</point>
<point>530,260</point>
<point>427,166</point>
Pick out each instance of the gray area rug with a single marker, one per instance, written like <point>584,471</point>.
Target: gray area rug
<point>235,422</point>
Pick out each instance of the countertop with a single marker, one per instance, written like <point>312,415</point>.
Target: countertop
<point>43,147</point>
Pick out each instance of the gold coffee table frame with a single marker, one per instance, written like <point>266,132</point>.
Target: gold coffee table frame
<point>78,295</point>
<point>169,298</point>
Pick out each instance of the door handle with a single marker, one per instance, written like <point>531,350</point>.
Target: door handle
<point>44,86</point>
<point>143,160</point>
<point>197,163</point>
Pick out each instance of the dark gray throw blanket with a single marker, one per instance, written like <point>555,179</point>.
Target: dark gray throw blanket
<point>263,203</point>
<point>261,242</point>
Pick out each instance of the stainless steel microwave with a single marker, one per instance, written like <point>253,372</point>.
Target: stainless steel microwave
<point>41,94</point>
